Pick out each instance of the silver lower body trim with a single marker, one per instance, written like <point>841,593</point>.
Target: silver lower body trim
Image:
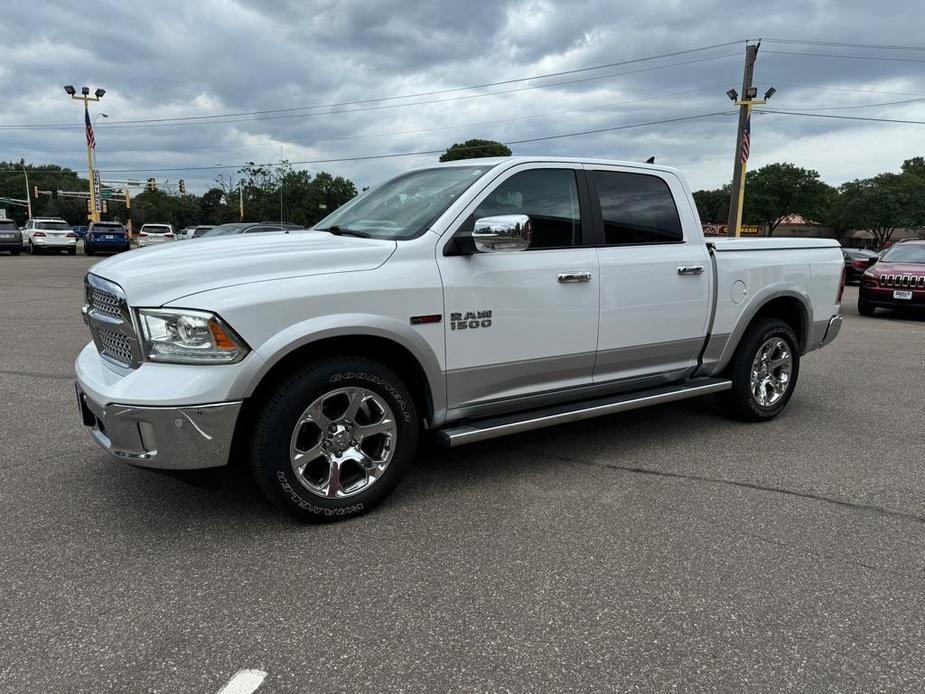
<point>831,332</point>
<point>169,438</point>
<point>538,419</point>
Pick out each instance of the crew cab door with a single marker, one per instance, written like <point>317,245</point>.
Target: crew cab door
<point>656,293</point>
<point>521,323</point>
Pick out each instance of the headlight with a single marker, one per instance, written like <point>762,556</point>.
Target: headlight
<point>870,272</point>
<point>182,336</point>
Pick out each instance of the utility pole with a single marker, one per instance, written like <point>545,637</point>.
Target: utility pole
<point>743,139</point>
<point>94,206</point>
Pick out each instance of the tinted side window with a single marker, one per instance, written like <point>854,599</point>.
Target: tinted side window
<point>548,196</point>
<point>636,209</point>
<point>260,230</point>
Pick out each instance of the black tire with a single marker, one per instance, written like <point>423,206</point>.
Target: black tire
<point>15,251</point>
<point>32,249</point>
<point>739,402</point>
<point>72,251</point>
<point>282,408</point>
<point>865,309</point>
<point>87,250</point>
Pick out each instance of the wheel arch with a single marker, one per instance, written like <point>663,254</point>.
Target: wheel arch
<point>404,351</point>
<point>791,306</point>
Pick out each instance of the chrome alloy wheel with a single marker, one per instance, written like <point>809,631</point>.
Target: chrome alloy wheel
<point>343,442</point>
<point>771,370</point>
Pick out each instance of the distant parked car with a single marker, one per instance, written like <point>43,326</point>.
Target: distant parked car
<point>106,237</point>
<point>153,234</point>
<point>196,232</point>
<point>896,281</point>
<point>81,231</point>
<point>250,228</point>
<point>10,237</point>
<point>856,262</point>
<point>49,234</point>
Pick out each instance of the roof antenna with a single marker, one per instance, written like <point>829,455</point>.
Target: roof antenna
<point>650,160</point>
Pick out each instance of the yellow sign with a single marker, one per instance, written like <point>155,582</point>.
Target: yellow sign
<point>749,230</point>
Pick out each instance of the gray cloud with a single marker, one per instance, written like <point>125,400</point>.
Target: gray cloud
<point>177,58</point>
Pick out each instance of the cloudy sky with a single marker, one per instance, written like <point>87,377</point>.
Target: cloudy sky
<point>325,74</point>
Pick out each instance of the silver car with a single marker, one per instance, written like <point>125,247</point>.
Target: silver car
<point>154,234</point>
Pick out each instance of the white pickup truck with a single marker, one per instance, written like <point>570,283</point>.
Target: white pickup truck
<point>472,300</point>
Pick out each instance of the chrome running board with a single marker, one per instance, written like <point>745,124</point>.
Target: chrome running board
<point>480,430</point>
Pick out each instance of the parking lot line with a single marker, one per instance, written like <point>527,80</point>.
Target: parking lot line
<point>243,682</point>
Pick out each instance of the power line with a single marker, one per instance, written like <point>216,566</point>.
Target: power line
<point>882,103</point>
<point>851,57</point>
<point>829,115</point>
<point>544,138</point>
<point>844,44</point>
<point>111,126</point>
<point>645,99</point>
<point>838,89</point>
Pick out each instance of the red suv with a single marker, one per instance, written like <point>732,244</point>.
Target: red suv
<point>896,281</point>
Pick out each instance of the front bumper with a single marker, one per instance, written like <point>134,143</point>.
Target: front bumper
<point>171,438</point>
<point>883,297</point>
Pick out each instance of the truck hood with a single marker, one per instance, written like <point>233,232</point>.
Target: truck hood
<point>157,275</point>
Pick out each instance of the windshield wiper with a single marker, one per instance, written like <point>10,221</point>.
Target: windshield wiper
<point>339,231</point>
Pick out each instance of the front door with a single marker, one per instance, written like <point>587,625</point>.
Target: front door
<point>655,281</point>
<point>522,324</point>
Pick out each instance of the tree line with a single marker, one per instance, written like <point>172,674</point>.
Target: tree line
<point>879,205</point>
<point>268,193</point>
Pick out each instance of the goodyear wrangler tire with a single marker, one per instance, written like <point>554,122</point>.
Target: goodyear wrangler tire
<point>334,439</point>
<point>763,370</point>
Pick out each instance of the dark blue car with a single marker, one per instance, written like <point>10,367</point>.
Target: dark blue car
<point>105,237</point>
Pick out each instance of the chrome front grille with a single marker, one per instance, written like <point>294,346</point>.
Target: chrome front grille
<point>110,320</point>
<point>104,302</point>
<point>116,346</point>
<point>903,281</point>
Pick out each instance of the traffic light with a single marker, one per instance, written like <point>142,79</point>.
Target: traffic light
<point>182,187</point>
<point>152,185</point>
<point>35,192</point>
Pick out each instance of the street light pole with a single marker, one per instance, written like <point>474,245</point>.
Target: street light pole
<point>94,214</point>
<point>25,173</point>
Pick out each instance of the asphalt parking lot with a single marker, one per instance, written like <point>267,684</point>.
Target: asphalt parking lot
<point>660,550</point>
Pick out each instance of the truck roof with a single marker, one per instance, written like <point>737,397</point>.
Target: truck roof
<point>496,161</point>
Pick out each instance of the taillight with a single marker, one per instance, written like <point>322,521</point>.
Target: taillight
<point>71,235</point>
<point>143,234</point>
<point>38,233</point>
<point>168,236</point>
<point>841,285</point>
<point>859,264</point>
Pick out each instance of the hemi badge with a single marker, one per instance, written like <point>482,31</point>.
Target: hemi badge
<point>419,320</point>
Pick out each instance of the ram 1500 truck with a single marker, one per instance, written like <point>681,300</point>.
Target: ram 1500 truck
<point>471,300</point>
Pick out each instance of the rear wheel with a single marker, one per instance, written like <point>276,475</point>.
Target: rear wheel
<point>87,250</point>
<point>72,251</point>
<point>32,248</point>
<point>15,251</point>
<point>865,309</point>
<point>334,439</point>
<point>763,371</point>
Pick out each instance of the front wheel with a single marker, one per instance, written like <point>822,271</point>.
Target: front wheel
<point>865,309</point>
<point>334,438</point>
<point>763,371</point>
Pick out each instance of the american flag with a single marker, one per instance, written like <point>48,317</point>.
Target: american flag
<point>91,141</point>
<point>746,139</point>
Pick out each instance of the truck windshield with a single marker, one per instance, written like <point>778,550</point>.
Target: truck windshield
<point>902,253</point>
<point>405,206</point>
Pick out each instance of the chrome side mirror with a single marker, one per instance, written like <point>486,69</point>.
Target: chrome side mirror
<point>506,232</point>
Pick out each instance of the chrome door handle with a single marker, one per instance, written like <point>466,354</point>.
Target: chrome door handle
<point>574,277</point>
<point>690,269</point>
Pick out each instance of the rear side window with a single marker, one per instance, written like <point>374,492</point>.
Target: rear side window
<point>548,196</point>
<point>636,209</point>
